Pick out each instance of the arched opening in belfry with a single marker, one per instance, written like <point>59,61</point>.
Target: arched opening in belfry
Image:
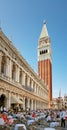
<point>2,100</point>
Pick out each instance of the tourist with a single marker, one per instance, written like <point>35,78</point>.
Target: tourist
<point>10,120</point>
<point>48,118</point>
<point>62,117</point>
<point>1,120</point>
<point>4,116</point>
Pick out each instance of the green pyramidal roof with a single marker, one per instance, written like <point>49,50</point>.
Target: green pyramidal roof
<point>44,32</point>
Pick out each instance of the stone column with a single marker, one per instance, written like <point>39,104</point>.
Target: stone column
<point>28,81</point>
<point>10,69</point>
<point>31,104</point>
<point>35,88</point>
<point>17,73</point>
<point>37,105</point>
<point>0,60</point>
<point>23,79</point>
<point>7,67</point>
<point>39,91</point>
<point>40,107</point>
<point>9,100</point>
<point>23,103</point>
<point>34,105</point>
<point>43,105</point>
<point>28,102</point>
<point>32,84</point>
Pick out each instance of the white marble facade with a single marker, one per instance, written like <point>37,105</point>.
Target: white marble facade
<point>17,78</point>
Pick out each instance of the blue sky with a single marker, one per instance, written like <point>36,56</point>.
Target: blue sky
<point>23,20</point>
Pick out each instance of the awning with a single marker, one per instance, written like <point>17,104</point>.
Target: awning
<point>15,100</point>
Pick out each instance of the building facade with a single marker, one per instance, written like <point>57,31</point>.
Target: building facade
<point>59,102</point>
<point>19,84</point>
<point>45,60</point>
<point>65,101</point>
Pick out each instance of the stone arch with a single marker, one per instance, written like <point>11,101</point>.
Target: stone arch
<point>2,100</point>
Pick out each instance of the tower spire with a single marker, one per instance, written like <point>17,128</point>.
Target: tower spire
<point>44,22</point>
<point>44,32</point>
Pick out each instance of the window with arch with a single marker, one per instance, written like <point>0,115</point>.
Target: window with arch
<point>43,52</point>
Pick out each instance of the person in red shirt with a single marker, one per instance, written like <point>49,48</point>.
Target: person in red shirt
<point>34,114</point>
<point>4,116</point>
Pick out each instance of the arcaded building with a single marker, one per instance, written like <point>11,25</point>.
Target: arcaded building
<point>19,84</point>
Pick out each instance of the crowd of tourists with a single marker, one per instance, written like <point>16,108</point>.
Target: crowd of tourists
<point>11,119</point>
<point>57,117</point>
<point>52,117</point>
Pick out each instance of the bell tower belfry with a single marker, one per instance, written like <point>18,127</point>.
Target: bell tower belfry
<point>45,60</point>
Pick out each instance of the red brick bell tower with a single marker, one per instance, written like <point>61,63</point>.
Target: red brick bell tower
<point>45,60</point>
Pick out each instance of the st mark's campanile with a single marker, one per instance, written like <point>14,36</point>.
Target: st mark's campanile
<point>45,60</point>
